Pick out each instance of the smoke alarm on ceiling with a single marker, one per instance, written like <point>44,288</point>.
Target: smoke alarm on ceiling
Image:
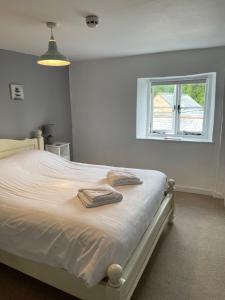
<point>92,21</point>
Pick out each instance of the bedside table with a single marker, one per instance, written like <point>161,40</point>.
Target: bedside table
<point>59,148</point>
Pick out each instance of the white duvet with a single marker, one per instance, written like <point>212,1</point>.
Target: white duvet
<point>42,219</point>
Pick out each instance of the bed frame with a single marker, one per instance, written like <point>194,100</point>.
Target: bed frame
<point>120,283</point>
<point>9,147</point>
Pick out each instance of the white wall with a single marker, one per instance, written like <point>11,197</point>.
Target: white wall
<point>103,100</point>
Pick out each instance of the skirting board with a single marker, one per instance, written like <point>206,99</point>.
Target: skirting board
<point>197,190</point>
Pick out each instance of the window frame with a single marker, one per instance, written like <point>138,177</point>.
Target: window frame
<point>209,107</point>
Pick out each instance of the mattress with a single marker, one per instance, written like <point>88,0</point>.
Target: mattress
<point>42,219</point>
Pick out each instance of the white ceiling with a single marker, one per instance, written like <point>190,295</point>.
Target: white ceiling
<point>127,27</point>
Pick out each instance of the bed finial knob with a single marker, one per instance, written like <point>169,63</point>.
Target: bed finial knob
<point>38,133</point>
<point>171,184</point>
<point>39,138</point>
<point>114,274</point>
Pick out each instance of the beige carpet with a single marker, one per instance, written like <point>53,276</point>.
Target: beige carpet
<point>188,263</point>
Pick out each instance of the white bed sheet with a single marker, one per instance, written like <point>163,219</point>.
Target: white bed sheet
<point>42,219</point>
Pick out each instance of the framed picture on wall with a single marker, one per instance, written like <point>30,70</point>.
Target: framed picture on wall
<point>16,91</point>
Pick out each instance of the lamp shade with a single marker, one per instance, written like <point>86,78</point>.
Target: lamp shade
<point>53,57</point>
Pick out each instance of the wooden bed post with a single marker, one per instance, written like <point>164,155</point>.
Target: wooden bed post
<point>170,190</point>
<point>115,282</point>
<point>114,274</point>
<point>40,140</point>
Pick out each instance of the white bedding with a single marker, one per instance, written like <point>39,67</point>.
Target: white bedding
<point>42,219</point>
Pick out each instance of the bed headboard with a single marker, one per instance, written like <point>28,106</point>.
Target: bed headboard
<point>9,147</point>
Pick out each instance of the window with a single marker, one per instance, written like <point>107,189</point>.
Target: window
<point>177,108</point>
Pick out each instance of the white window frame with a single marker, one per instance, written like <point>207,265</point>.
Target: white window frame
<point>144,107</point>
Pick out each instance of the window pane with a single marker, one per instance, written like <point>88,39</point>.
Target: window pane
<point>192,108</point>
<point>162,111</point>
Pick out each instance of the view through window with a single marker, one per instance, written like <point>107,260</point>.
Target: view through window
<point>178,108</point>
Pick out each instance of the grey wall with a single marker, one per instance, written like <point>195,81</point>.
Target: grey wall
<point>103,100</point>
<point>46,97</point>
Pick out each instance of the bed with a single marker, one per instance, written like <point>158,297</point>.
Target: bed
<point>46,233</point>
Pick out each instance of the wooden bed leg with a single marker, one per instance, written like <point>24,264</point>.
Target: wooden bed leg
<point>170,190</point>
<point>171,219</point>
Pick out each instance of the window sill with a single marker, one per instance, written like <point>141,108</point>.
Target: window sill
<point>176,139</point>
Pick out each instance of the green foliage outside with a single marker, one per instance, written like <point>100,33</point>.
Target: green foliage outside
<point>196,91</point>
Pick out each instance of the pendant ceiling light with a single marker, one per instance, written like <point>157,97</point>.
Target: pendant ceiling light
<point>53,57</point>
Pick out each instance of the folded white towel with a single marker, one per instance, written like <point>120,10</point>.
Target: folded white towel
<point>101,195</point>
<point>122,177</point>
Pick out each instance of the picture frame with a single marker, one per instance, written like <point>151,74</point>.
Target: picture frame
<point>16,91</point>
